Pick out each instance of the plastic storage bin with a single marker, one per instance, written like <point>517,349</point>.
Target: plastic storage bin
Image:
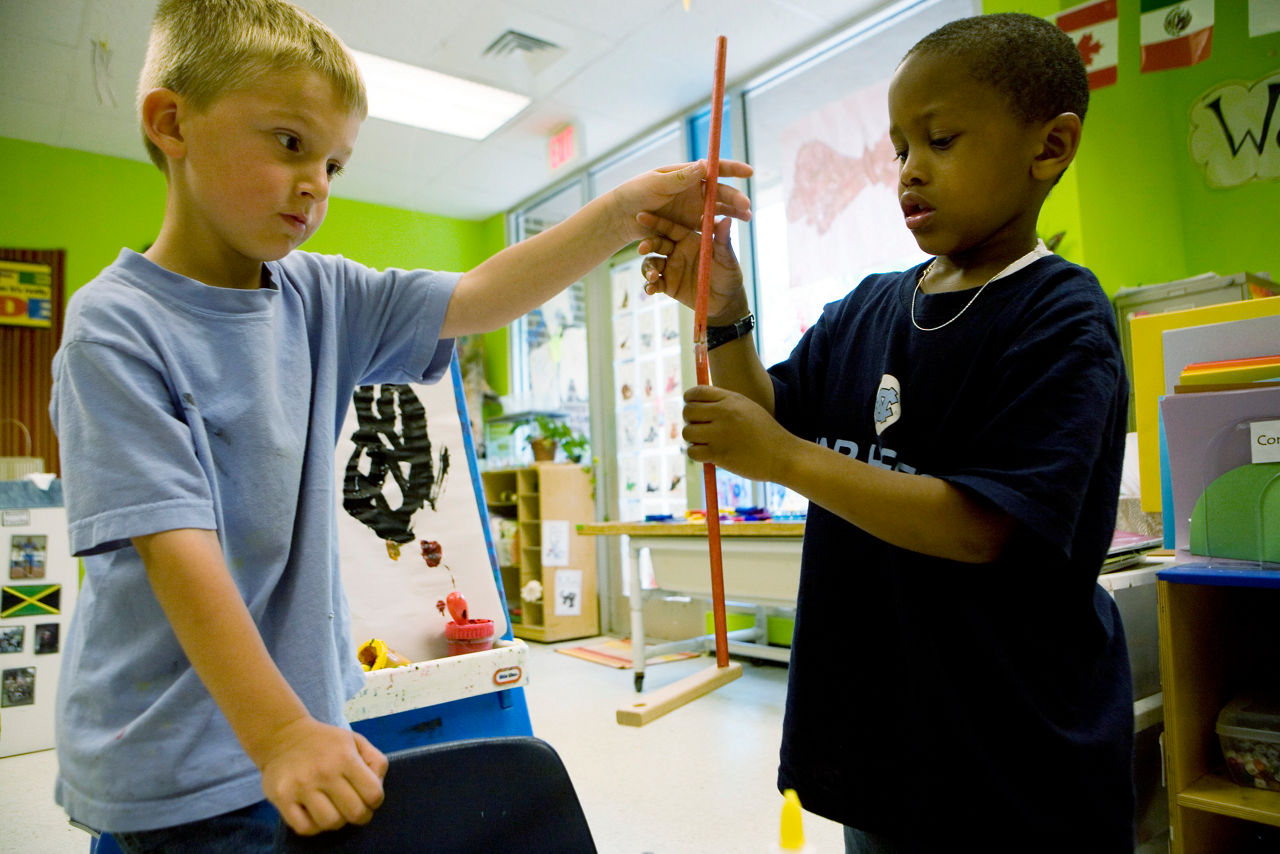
<point>1249,731</point>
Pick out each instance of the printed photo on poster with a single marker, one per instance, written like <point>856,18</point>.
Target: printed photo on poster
<point>568,593</point>
<point>28,555</point>
<point>47,638</point>
<point>18,687</point>
<point>11,638</point>
<point>555,542</point>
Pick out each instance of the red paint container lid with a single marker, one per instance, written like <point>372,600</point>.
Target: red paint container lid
<point>473,630</point>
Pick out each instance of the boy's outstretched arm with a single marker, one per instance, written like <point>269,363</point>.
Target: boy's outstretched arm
<point>318,776</point>
<point>527,274</point>
<point>913,511</point>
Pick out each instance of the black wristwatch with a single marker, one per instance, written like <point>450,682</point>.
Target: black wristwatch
<point>717,335</point>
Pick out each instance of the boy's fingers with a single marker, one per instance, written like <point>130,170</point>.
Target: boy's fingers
<point>374,758</point>
<point>322,811</point>
<point>298,819</point>
<point>702,394</point>
<point>663,226</point>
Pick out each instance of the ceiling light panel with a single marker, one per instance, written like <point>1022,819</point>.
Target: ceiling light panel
<point>415,96</point>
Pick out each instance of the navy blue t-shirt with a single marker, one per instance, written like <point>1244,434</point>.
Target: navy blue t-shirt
<point>934,700</point>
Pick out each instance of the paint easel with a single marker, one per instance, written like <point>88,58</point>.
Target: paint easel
<point>677,694</point>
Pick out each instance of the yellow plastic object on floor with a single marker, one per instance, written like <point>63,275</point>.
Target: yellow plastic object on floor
<point>791,831</point>
<point>374,654</point>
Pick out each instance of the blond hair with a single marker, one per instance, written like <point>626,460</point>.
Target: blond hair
<point>203,49</point>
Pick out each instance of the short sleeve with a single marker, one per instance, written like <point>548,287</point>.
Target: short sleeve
<point>134,469</point>
<point>1051,414</point>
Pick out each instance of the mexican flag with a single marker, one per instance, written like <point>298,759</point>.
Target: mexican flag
<point>1175,33</point>
<point>1095,28</point>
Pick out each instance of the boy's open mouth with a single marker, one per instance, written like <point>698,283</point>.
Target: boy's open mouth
<point>914,210</point>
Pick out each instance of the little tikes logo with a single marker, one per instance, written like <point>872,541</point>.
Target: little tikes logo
<point>888,402</point>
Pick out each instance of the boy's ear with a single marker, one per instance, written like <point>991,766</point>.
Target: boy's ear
<point>1060,139</point>
<point>160,121</point>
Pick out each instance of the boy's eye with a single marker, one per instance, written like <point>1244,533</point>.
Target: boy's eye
<point>900,155</point>
<point>289,141</point>
<point>941,141</point>
<point>334,170</point>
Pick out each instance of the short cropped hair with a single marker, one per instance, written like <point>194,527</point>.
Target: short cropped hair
<point>1031,62</point>
<point>203,49</point>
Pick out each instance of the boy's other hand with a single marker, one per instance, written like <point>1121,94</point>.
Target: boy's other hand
<point>735,433</point>
<point>321,777</point>
<point>676,193</point>
<point>672,267</point>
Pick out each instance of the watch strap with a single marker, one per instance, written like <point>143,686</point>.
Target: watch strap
<point>717,335</point>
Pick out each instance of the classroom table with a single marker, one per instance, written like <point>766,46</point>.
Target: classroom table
<point>761,569</point>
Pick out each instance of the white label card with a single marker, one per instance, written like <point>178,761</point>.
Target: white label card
<point>1264,441</point>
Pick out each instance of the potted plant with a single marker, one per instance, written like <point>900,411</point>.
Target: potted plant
<point>553,433</point>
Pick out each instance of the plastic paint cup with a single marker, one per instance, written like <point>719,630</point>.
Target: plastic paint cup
<point>471,636</point>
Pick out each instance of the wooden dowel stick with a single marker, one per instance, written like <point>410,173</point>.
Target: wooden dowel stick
<point>700,349</point>
<point>657,703</point>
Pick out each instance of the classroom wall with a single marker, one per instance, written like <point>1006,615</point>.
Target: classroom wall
<point>91,205</point>
<point>1139,210</point>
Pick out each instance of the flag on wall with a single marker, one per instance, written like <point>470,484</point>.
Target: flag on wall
<point>1264,17</point>
<point>30,600</point>
<point>1095,28</point>
<point>1175,33</point>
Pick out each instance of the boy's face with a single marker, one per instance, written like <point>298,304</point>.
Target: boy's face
<point>253,182</point>
<point>964,161</point>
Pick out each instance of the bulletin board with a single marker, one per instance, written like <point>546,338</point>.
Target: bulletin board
<point>40,580</point>
<point>407,472</point>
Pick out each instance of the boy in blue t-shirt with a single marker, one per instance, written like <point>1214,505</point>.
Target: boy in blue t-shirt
<point>198,394</point>
<point>957,675</point>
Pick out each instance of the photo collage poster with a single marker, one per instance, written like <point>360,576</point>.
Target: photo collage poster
<point>38,586</point>
<point>648,366</point>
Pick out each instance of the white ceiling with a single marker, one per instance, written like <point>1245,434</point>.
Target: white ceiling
<point>624,67</point>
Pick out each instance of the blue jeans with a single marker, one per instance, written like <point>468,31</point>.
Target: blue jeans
<point>256,829</point>
<point>860,842</point>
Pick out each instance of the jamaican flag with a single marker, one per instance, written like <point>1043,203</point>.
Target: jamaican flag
<point>30,600</point>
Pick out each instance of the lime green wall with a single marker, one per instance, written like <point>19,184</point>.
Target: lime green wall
<point>1144,212</point>
<point>92,205</point>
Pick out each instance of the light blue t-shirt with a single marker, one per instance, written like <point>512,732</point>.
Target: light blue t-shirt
<point>180,405</point>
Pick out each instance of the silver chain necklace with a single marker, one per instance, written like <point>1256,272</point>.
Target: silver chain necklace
<point>920,281</point>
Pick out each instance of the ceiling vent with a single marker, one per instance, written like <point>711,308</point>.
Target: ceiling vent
<point>516,42</point>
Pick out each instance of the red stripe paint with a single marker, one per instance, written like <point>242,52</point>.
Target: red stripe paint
<point>1177,53</point>
<point>1102,77</point>
<point>1078,19</point>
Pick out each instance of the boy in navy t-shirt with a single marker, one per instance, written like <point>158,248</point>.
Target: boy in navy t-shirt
<point>957,675</point>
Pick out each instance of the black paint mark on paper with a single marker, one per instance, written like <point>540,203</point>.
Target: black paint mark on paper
<point>392,446</point>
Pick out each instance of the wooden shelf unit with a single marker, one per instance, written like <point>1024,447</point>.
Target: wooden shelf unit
<point>1212,647</point>
<point>543,492</point>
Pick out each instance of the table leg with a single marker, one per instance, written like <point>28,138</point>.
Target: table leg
<point>637,616</point>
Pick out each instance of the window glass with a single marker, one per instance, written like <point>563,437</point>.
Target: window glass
<point>824,192</point>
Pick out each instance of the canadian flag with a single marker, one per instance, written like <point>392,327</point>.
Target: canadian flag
<point>1095,29</point>
<point>1175,34</point>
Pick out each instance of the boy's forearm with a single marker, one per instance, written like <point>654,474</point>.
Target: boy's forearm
<point>924,514</point>
<point>526,274</point>
<point>736,366</point>
<point>190,579</point>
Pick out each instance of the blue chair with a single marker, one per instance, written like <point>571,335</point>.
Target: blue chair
<point>486,795</point>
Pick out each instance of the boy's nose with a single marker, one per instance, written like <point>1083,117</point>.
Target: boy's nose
<point>314,182</point>
<point>909,172</point>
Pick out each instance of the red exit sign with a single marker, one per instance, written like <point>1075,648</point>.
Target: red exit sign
<point>562,147</point>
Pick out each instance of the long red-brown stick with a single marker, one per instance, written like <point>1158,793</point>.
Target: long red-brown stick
<point>700,347</point>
